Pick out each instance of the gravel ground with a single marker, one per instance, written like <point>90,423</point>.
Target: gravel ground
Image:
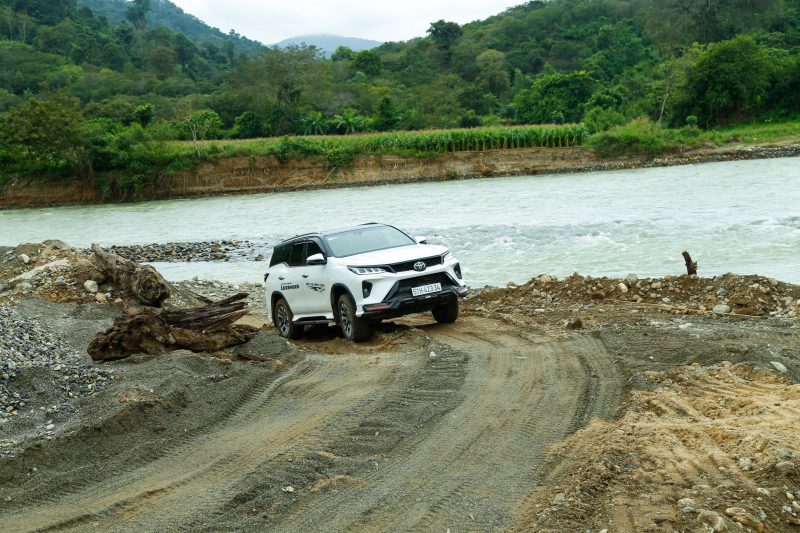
<point>29,353</point>
<point>172,252</point>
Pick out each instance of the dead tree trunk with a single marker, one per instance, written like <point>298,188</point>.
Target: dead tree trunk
<point>691,266</point>
<point>142,282</point>
<point>201,329</point>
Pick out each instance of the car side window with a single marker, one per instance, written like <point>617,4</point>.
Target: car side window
<point>279,255</point>
<point>296,258</point>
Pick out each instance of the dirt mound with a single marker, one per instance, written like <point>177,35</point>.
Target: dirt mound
<point>712,446</point>
<point>576,296</point>
<point>59,273</point>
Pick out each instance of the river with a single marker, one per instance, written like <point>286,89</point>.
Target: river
<point>741,216</point>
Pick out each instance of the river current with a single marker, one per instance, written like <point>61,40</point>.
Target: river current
<point>741,216</point>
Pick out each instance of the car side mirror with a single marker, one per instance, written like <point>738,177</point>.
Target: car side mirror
<point>421,240</point>
<point>316,259</point>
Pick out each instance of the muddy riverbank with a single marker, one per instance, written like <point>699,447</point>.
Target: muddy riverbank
<point>245,175</point>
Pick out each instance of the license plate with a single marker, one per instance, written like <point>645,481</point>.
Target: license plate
<point>426,289</point>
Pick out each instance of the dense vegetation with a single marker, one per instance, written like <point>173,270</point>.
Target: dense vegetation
<point>82,93</point>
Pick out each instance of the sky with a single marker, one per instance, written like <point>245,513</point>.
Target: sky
<point>271,21</point>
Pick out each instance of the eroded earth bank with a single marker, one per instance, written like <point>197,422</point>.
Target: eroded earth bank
<point>561,405</point>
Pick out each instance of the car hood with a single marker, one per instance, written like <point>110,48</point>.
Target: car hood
<point>394,255</point>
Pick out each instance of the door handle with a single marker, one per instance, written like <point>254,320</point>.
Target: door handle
<point>305,275</point>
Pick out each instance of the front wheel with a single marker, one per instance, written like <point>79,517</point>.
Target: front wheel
<point>354,328</point>
<point>446,313</point>
<point>283,321</point>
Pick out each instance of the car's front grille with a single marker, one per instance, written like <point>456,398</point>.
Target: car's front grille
<point>409,265</point>
<point>403,287</point>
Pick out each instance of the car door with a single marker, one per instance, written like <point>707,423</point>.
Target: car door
<point>316,285</point>
<point>289,279</point>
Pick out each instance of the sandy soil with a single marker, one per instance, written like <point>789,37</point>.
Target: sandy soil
<point>597,412</point>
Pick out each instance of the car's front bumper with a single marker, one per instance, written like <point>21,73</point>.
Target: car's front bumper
<point>401,304</point>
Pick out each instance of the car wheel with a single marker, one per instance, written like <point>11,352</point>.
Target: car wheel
<point>283,321</point>
<point>354,328</point>
<point>446,313</point>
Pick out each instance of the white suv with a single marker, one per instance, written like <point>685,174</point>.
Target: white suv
<point>353,276</point>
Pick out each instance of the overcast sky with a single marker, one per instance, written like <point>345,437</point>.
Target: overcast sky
<point>270,21</point>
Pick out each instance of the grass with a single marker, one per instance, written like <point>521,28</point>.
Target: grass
<point>644,138</point>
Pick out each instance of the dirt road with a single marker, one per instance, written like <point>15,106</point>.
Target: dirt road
<point>408,440</point>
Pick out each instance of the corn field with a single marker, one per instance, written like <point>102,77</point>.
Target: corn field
<point>340,151</point>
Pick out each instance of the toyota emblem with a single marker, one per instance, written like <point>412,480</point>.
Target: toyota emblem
<point>419,266</point>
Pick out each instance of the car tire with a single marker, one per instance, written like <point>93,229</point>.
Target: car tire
<point>446,313</point>
<point>283,321</point>
<point>354,328</point>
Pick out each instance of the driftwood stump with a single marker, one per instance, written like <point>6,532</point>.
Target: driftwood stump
<point>201,329</point>
<point>691,266</point>
<point>142,282</point>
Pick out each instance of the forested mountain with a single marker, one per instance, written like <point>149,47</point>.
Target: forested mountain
<point>329,43</point>
<point>118,82</point>
<point>165,13</point>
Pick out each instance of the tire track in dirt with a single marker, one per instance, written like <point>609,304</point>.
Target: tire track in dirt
<point>206,471</point>
<point>467,469</point>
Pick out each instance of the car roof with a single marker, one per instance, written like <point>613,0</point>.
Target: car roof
<point>329,232</point>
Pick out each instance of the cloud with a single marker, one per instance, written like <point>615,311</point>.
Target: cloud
<point>270,21</point>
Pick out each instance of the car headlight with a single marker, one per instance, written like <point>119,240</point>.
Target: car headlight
<point>448,255</point>
<point>366,270</point>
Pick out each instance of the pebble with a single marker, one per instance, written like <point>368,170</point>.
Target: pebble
<point>746,519</point>
<point>560,498</point>
<point>764,492</point>
<point>26,344</point>
<point>622,288</point>
<point>712,519</point>
<point>745,463</point>
<point>25,258</point>
<point>685,326</point>
<point>91,286</point>
<point>173,252</point>
<point>784,467</point>
<point>721,308</point>
<point>432,355</point>
<point>780,367</point>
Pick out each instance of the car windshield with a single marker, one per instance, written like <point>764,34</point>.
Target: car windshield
<point>366,239</point>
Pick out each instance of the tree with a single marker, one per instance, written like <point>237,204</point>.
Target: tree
<point>247,126</point>
<point>143,114</point>
<point>368,62</point>
<point>342,53</point>
<point>200,125</point>
<point>136,13</point>
<point>387,118</point>
<point>445,34</point>
<point>349,121</point>
<point>315,123</point>
<point>555,98</point>
<point>162,59</point>
<point>49,128</point>
<point>727,83</point>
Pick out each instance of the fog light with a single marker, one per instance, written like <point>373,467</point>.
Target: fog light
<point>457,270</point>
<point>366,288</point>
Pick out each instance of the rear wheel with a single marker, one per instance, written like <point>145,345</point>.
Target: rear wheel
<point>446,313</point>
<point>283,321</point>
<point>354,328</point>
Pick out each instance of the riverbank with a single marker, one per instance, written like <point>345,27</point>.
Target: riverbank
<point>260,174</point>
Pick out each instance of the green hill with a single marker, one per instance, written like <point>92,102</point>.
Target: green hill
<point>165,13</point>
